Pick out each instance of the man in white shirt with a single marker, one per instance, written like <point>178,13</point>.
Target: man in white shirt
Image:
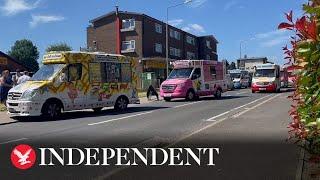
<point>23,78</point>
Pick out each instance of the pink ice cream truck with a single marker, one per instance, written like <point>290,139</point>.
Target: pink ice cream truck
<point>191,79</point>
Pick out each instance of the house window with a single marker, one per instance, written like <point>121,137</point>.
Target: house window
<point>172,33</point>
<point>172,51</point>
<point>158,47</point>
<point>175,52</point>
<point>191,55</point>
<point>208,44</point>
<point>128,45</point>
<point>128,24</point>
<point>208,57</point>
<point>158,28</point>
<point>190,40</point>
<point>175,34</point>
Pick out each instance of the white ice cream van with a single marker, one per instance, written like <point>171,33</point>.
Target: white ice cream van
<point>74,81</point>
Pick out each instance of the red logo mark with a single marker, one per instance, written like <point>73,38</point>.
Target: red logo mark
<point>23,156</point>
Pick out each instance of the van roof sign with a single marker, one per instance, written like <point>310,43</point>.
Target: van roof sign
<point>265,66</point>
<point>52,56</point>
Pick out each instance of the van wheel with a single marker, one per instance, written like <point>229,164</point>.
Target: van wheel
<point>121,103</point>
<point>96,110</point>
<point>167,99</point>
<point>218,94</point>
<point>52,110</point>
<point>253,91</point>
<point>190,95</point>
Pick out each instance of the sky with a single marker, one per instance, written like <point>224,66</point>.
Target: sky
<point>253,22</point>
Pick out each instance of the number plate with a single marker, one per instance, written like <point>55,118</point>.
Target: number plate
<point>167,95</point>
<point>262,89</point>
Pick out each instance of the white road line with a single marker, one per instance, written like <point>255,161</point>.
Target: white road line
<point>187,104</point>
<point>215,117</point>
<point>249,109</point>
<point>11,141</point>
<point>242,92</point>
<point>251,102</point>
<point>116,119</point>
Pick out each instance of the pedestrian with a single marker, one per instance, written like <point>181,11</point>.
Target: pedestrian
<point>5,86</point>
<point>16,77</point>
<point>25,77</point>
<point>152,92</point>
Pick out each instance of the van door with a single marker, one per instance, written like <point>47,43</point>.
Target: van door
<point>198,80</point>
<point>75,86</point>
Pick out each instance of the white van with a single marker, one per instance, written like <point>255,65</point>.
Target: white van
<point>75,81</point>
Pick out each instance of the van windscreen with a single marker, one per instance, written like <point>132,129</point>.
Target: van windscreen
<point>180,73</point>
<point>47,72</point>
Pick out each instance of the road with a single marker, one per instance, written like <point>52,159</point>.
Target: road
<point>250,130</point>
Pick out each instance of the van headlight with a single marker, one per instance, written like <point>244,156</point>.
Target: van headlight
<point>181,85</point>
<point>29,94</point>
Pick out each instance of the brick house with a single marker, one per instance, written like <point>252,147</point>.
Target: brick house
<point>144,37</point>
<point>8,63</point>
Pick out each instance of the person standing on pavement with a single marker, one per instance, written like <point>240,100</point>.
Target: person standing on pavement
<point>5,86</point>
<point>16,77</point>
<point>152,91</point>
<point>25,77</point>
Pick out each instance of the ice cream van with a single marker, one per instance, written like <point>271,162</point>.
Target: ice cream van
<point>193,78</point>
<point>74,81</point>
<point>266,78</point>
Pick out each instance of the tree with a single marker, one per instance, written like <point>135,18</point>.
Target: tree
<point>59,47</point>
<point>232,66</point>
<point>25,52</point>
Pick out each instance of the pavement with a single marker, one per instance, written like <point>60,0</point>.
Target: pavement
<point>249,129</point>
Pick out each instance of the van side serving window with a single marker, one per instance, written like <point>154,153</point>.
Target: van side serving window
<point>213,72</point>
<point>96,71</point>
<point>74,72</point>
<point>118,72</point>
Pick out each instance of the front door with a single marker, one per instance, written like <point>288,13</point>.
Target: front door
<point>198,80</point>
<point>75,89</point>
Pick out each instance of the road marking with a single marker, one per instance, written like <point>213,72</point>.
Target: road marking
<point>11,141</point>
<point>249,109</point>
<point>187,104</point>
<point>116,119</point>
<point>215,117</point>
<point>242,92</point>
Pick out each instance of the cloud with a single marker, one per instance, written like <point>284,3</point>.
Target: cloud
<point>175,22</point>
<point>13,7</point>
<point>229,5</point>
<point>275,41</point>
<point>197,3</point>
<point>232,4</point>
<point>269,34</point>
<point>194,28</point>
<point>38,19</point>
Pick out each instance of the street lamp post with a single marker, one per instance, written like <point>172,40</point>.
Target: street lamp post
<point>241,42</point>
<point>167,33</point>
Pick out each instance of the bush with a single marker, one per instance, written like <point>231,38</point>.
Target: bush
<point>304,51</point>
